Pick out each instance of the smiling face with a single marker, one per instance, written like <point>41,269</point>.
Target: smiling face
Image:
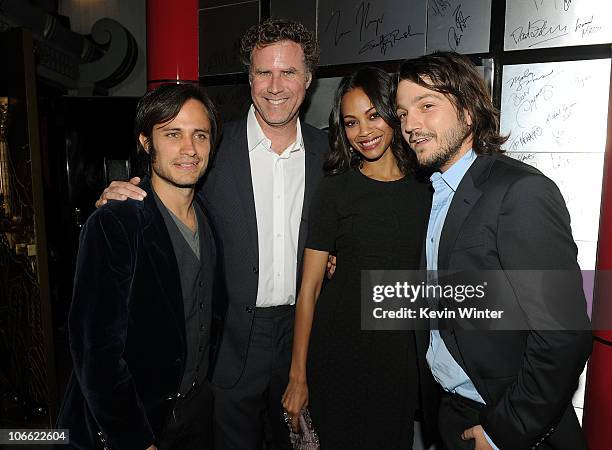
<point>279,79</point>
<point>432,126</point>
<point>180,148</point>
<point>365,129</point>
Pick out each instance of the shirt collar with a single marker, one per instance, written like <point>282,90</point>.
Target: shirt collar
<point>256,136</point>
<point>453,176</point>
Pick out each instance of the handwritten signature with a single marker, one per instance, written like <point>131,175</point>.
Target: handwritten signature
<point>439,7</point>
<point>362,17</point>
<point>581,80</point>
<point>586,27</point>
<point>336,16</point>
<point>368,22</point>
<point>527,78</point>
<point>455,34</point>
<point>525,157</point>
<point>563,112</point>
<point>566,4</point>
<point>545,93</point>
<point>538,29</point>
<point>388,40</point>
<point>526,138</point>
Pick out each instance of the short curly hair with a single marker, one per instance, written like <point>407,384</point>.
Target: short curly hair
<point>272,31</point>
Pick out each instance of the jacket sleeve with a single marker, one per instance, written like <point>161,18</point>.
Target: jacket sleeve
<point>98,326</point>
<point>534,236</point>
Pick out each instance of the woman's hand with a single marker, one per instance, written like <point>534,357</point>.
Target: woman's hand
<point>295,399</point>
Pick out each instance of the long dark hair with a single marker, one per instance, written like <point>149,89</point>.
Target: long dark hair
<point>377,85</point>
<point>456,77</point>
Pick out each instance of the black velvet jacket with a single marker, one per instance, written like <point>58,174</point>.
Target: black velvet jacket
<point>127,329</point>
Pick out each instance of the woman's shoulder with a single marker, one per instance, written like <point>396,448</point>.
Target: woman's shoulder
<point>337,179</point>
<point>419,183</point>
<point>333,187</point>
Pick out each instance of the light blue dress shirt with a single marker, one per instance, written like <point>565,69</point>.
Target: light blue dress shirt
<point>446,371</point>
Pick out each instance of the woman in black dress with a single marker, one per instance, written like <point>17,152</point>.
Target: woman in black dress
<point>361,387</point>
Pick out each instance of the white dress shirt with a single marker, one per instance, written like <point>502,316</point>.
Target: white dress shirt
<point>278,189</point>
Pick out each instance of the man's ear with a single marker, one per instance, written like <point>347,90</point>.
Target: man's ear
<point>308,79</point>
<point>467,117</point>
<point>144,142</point>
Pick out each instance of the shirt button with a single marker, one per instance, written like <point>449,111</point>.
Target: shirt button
<point>201,305</point>
<point>249,309</point>
<point>201,283</point>
<point>200,348</point>
<point>255,270</point>
<point>201,327</point>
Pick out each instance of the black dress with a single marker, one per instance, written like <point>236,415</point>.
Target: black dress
<point>363,385</point>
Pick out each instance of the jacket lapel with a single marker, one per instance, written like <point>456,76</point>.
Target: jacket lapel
<point>206,244</point>
<point>162,257</point>
<point>244,183</point>
<point>463,201</point>
<point>465,198</point>
<point>313,173</point>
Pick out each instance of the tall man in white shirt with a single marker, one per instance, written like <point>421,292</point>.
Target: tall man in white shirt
<point>258,190</point>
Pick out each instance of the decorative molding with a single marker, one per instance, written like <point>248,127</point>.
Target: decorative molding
<point>118,59</point>
<point>73,60</point>
<point>57,60</point>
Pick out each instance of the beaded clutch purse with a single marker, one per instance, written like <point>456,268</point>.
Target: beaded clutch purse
<point>306,438</point>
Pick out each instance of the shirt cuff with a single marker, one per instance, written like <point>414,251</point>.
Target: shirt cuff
<point>489,440</point>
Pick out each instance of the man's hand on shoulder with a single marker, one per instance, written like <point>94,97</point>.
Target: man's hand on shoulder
<point>122,190</point>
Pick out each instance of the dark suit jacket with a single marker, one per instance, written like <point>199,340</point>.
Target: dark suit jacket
<point>127,329</point>
<point>228,194</point>
<point>507,215</point>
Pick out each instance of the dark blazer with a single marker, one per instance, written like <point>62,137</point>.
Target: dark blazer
<point>507,215</point>
<point>228,194</point>
<point>127,329</point>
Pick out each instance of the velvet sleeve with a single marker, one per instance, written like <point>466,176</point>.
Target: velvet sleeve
<point>98,326</point>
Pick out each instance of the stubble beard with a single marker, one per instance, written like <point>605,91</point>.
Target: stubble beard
<point>450,145</point>
<point>161,174</point>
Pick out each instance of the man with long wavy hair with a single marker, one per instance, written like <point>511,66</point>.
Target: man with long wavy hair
<point>501,389</point>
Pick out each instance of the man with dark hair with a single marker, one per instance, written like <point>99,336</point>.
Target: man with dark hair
<point>140,317</point>
<point>502,389</point>
<point>264,175</point>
